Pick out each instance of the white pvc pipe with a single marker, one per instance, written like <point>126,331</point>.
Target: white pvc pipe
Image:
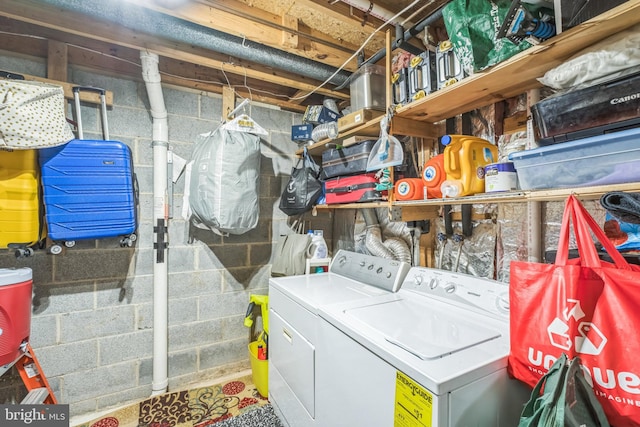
<point>151,77</point>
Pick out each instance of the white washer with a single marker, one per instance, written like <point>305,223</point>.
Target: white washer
<point>433,354</point>
<point>293,324</point>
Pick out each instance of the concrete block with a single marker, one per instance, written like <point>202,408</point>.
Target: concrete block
<point>63,359</point>
<point>142,262</point>
<point>260,253</point>
<point>281,143</point>
<point>133,290</point>
<point>182,259</point>
<point>247,278</point>
<point>223,305</point>
<point>181,102</point>
<point>123,397</point>
<point>40,263</point>
<point>272,119</point>
<point>183,310</point>
<point>178,228</point>
<point>261,233</point>
<point>232,255</point>
<point>181,363</point>
<point>211,107</point>
<point>93,383</point>
<point>133,346</point>
<point>194,334</point>
<point>63,298</point>
<point>92,264</point>
<point>130,122</point>
<point>145,371</point>
<point>186,129</point>
<point>144,316</point>
<point>83,325</point>
<point>88,406</point>
<point>220,354</point>
<point>195,283</point>
<point>233,328</point>
<point>125,92</point>
<point>32,65</point>
<point>44,331</point>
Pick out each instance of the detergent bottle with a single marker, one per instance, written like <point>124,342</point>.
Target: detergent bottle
<point>464,160</point>
<point>433,175</point>
<point>318,248</point>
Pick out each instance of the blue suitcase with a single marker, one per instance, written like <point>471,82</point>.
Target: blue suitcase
<point>89,188</point>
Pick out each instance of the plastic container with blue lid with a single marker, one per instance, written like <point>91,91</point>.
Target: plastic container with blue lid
<point>612,158</point>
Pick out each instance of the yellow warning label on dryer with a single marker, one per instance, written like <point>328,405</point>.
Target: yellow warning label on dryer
<point>414,404</point>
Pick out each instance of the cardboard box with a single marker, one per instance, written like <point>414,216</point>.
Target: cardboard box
<point>357,118</point>
<point>301,133</point>
<point>318,114</point>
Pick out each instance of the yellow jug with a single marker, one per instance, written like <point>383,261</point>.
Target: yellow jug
<point>464,160</point>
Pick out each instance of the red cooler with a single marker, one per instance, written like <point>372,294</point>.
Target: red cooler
<point>15,311</point>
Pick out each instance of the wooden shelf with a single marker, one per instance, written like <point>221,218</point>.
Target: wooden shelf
<point>505,80</point>
<point>370,128</point>
<point>584,193</point>
<point>519,73</point>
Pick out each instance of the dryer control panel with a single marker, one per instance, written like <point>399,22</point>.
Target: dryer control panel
<point>375,271</point>
<point>476,293</point>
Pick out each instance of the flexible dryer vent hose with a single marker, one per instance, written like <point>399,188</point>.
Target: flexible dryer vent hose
<point>392,248</point>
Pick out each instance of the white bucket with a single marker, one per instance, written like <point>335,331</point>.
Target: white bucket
<point>500,177</point>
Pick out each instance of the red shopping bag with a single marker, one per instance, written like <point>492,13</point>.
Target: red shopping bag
<point>583,307</point>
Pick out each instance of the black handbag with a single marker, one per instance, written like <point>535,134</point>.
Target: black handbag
<point>304,187</point>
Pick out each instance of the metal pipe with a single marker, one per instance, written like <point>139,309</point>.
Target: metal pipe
<point>373,10</point>
<point>163,26</point>
<point>408,34</point>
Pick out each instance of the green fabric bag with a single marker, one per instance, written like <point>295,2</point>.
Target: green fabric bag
<point>473,27</point>
<point>567,399</point>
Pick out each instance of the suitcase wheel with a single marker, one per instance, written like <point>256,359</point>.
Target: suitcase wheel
<point>23,252</point>
<point>128,241</point>
<point>70,243</point>
<point>55,249</point>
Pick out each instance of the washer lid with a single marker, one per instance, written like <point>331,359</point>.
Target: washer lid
<point>427,331</point>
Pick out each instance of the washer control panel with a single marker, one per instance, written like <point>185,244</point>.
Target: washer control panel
<point>375,271</point>
<point>462,289</point>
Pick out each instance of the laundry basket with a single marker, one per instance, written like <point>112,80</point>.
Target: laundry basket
<point>258,304</point>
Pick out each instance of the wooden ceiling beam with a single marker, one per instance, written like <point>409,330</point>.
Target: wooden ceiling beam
<point>43,15</point>
<point>226,17</point>
<point>173,72</point>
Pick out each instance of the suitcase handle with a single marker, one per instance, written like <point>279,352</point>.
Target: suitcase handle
<point>103,108</point>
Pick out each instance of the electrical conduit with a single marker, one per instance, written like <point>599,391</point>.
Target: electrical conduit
<point>151,77</point>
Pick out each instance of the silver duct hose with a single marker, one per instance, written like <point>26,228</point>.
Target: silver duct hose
<point>392,248</point>
<point>163,26</point>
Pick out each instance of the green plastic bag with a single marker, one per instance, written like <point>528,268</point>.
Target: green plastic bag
<point>567,400</point>
<point>473,26</point>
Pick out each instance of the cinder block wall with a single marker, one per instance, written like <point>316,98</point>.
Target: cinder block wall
<point>92,323</point>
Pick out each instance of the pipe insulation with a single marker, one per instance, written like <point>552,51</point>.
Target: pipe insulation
<point>163,26</point>
<point>151,76</point>
<point>373,10</point>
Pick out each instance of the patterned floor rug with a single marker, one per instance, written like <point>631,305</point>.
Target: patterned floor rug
<point>199,407</point>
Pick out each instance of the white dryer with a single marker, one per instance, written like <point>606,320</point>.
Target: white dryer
<point>293,324</point>
<point>433,354</point>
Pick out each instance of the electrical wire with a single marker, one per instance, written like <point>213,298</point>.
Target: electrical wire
<point>356,52</point>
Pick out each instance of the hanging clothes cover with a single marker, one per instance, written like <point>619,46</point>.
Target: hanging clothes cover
<point>32,115</point>
<point>224,182</point>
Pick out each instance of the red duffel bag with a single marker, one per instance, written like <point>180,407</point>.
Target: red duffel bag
<point>581,307</point>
